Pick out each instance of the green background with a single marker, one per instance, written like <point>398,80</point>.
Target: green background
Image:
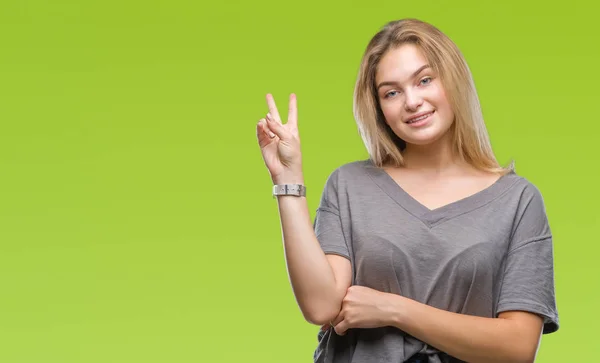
<point>136,222</point>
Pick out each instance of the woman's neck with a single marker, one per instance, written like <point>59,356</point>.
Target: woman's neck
<point>437,158</point>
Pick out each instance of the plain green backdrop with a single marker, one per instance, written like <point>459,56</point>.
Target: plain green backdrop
<point>136,218</point>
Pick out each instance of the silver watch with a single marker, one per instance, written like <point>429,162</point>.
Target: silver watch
<point>297,190</point>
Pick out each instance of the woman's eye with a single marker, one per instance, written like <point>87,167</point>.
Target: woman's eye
<point>428,79</point>
<point>390,94</point>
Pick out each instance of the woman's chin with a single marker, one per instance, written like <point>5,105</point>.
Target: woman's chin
<point>422,138</point>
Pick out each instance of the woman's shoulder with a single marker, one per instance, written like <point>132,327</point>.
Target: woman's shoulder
<point>522,185</point>
<point>524,195</point>
<point>354,165</point>
<point>348,173</point>
<point>350,169</point>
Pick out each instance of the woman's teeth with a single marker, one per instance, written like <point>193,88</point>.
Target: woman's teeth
<point>419,118</point>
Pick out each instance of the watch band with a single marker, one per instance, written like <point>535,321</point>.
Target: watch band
<point>297,190</point>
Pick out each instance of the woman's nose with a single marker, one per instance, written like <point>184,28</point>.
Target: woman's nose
<point>413,100</point>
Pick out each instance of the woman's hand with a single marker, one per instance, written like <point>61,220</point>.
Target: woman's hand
<point>364,307</point>
<point>280,144</point>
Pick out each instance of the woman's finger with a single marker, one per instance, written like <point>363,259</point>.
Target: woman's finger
<point>341,328</point>
<point>262,133</point>
<point>277,129</point>
<point>293,111</point>
<point>265,128</point>
<point>337,319</point>
<point>273,108</point>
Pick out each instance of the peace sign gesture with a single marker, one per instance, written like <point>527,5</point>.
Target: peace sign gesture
<point>280,144</point>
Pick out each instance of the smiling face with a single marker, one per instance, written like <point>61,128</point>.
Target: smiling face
<point>412,96</point>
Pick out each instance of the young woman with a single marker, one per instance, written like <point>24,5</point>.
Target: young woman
<point>429,251</point>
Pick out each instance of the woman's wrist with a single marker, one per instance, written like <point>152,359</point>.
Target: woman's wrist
<point>296,178</point>
<point>398,311</point>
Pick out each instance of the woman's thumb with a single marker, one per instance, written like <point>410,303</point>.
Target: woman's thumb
<point>277,129</point>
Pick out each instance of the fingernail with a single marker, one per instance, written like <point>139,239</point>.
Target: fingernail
<point>269,115</point>
<point>271,134</point>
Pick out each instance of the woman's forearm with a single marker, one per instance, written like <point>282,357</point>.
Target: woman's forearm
<point>311,276</point>
<point>470,338</point>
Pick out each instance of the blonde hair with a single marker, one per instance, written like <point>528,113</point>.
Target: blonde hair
<point>469,134</point>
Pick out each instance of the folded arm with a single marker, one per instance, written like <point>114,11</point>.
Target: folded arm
<point>512,337</point>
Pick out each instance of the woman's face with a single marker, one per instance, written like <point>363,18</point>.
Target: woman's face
<point>407,88</point>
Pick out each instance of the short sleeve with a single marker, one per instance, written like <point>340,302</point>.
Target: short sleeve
<point>328,222</point>
<point>528,280</point>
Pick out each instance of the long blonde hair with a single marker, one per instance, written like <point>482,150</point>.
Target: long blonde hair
<point>469,134</point>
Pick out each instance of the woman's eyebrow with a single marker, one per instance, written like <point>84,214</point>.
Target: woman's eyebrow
<point>415,73</point>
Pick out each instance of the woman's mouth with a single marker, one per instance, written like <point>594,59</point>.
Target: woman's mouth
<point>421,120</point>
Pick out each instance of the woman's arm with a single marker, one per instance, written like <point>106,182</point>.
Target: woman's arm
<point>319,281</point>
<point>512,337</point>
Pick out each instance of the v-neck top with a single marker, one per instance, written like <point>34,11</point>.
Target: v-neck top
<point>433,216</point>
<point>481,255</point>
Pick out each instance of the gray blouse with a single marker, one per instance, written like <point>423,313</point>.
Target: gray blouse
<point>481,255</point>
